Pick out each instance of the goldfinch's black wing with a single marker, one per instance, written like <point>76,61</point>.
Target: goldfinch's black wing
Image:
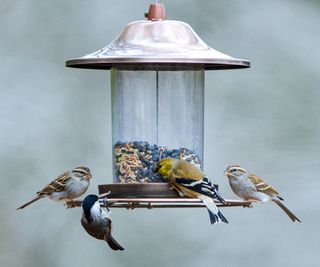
<point>204,187</point>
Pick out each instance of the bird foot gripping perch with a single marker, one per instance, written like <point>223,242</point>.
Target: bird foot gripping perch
<point>248,205</point>
<point>70,204</point>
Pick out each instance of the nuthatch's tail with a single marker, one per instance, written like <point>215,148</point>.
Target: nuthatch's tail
<point>113,244</point>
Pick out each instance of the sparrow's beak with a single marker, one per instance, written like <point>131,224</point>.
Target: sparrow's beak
<point>227,173</point>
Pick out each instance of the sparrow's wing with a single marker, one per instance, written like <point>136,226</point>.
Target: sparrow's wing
<point>262,186</point>
<point>57,185</point>
<point>203,187</point>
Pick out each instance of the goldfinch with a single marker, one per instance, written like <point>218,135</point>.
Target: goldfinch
<point>189,180</point>
<point>253,188</point>
<point>68,186</point>
<point>96,222</point>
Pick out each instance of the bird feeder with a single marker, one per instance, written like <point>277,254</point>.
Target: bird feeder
<point>157,71</point>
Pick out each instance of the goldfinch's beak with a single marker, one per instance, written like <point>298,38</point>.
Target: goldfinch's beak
<point>156,169</point>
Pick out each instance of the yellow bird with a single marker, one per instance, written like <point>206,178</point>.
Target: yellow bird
<point>189,180</point>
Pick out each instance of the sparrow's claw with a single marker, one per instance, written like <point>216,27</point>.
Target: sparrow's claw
<point>70,204</point>
<point>248,205</point>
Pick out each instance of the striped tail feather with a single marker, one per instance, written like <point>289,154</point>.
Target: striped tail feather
<point>214,213</point>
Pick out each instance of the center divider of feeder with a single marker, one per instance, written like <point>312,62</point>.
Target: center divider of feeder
<point>136,161</point>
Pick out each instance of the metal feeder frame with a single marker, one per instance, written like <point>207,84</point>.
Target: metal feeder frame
<point>138,47</point>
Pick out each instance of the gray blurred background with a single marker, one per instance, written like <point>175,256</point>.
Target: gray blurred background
<point>266,118</point>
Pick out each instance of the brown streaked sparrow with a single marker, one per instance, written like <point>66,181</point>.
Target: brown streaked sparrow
<point>253,188</point>
<point>96,222</point>
<point>68,186</point>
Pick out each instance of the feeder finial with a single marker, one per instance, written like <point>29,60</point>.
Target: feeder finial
<point>156,12</point>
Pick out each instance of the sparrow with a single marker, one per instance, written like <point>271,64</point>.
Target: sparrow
<point>189,180</point>
<point>253,188</point>
<point>68,186</point>
<point>96,222</point>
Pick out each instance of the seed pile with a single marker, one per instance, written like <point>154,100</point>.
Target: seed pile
<point>134,162</point>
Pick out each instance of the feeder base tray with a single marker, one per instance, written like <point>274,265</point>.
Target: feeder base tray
<point>138,190</point>
<point>151,195</point>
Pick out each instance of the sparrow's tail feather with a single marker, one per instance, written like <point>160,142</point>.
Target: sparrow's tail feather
<point>113,244</point>
<point>214,213</point>
<point>30,202</point>
<point>293,217</point>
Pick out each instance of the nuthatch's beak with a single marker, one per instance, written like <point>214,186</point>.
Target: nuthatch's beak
<point>104,195</point>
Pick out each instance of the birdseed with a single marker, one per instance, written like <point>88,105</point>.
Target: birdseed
<point>134,162</point>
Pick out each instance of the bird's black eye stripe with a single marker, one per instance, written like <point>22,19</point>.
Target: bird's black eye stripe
<point>82,170</point>
<point>86,170</point>
<point>81,173</point>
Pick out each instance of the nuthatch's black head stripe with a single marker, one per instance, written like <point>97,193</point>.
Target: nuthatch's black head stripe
<point>87,204</point>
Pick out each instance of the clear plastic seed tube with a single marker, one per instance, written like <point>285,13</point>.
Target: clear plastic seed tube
<point>155,114</point>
